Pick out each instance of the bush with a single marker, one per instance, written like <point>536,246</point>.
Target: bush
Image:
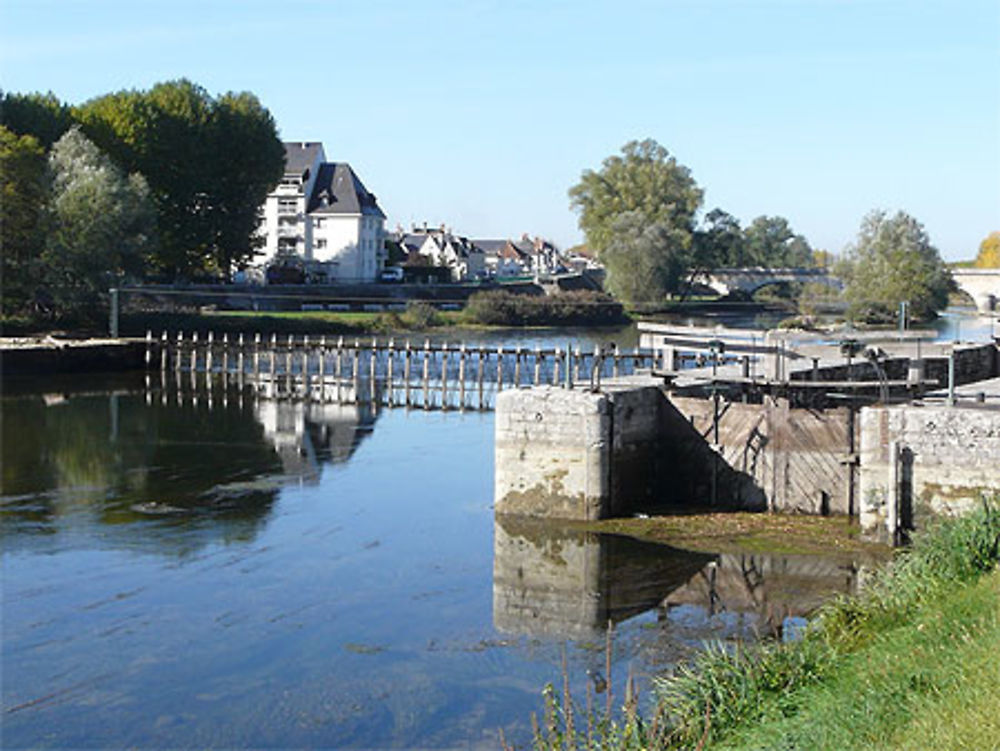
<point>421,315</point>
<point>579,308</point>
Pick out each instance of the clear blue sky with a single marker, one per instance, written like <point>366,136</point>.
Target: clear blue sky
<point>482,114</point>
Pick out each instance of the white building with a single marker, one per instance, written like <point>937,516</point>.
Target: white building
<point>323,218</point>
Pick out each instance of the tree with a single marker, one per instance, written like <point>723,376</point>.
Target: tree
<point>645,260</point>
<point>40,115</point>
<point>102,224</point>
<point>721,242</point>
<point>23,198</point>
<point>989,252</point>
<point>891,262</point>
<point>645,179</point>
<point>209,163</point>
<point>770,242</point>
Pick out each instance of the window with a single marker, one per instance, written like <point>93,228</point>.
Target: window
<point>321,243</point>
<point>318,223</point>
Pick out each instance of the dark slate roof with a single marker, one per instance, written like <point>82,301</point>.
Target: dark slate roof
<point>490,247</point>
<point>301,155</point>
<point>338,190</point>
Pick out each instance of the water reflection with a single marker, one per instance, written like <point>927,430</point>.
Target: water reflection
<point>554,581</point>
<point>198,455</point>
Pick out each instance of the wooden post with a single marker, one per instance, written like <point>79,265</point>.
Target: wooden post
<point>407,365</point>
<point>164,357</point>
<point>555,366</point>
<point>517,366</point>
<point>499,369</point>
<point>179,355</point>
<point>208,352</point>
<point>461,376</point>
<point>372,371</point>
<point>338,366</point>
<point>273,355</point>
<point>538,366</point>
<point>194,351</point>
<point>321,367</point>
<point>427,366</point>
<point>149,348</point>
<point>355,372</point>
<point>615,361</point>
<point>305,366</point>
<point>390,386</point>
<point>578,363</point>
<point>288,360</point>
<point>480,367</point>
<point>445,352</point>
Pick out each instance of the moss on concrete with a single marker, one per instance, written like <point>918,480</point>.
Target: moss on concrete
<point>748,532</point>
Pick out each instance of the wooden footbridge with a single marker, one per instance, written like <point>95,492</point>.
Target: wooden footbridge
<point>428,375</point>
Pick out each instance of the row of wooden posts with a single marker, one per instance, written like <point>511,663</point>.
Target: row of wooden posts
<point>291,366</point>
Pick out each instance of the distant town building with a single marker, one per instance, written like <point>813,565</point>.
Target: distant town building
<point>322,218</point>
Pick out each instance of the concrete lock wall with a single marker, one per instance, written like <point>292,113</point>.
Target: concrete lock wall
<point>573,454</point>
<point>918,462</point>
<point>578,455</point>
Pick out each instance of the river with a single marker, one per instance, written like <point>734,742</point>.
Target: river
<point>192,568</point>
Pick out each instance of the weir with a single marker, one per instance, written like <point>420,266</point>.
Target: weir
<point>803,431</point>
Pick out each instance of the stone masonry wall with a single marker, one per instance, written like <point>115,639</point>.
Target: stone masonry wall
<point>918,462</point>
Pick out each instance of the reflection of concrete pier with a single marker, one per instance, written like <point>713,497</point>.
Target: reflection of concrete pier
<point>554,581</point>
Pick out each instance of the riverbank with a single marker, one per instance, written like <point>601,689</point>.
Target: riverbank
<point>909,662</point>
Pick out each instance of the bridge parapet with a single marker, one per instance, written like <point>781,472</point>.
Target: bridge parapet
<point>982,285</point>
<point>751,279</point>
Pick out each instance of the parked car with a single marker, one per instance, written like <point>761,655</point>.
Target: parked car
<point>391,275</point>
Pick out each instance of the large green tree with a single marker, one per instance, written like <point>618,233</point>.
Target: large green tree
<point>40,115</point>
<point>645,260</point>
<point>770,242</point>
<point>893,261</point>
<point>23,198</point>
<point>102,224</point>
<point>210,163</point>
<point>720,241</point>
<point>646,179</point>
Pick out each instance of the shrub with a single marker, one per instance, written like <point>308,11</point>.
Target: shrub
<point>421,315</point>
<point>578,308</point>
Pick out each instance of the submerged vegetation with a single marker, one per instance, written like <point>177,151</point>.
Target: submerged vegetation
<point>908,662</point>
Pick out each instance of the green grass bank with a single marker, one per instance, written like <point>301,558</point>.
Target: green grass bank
<point>910,662</point>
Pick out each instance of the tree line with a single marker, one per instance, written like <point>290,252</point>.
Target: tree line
<point>639,214</point>
<point>165,182</point>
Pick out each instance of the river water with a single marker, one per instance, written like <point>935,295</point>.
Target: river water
<point>195,567</point>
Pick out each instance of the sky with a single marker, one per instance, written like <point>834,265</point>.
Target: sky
<point>481,115</point>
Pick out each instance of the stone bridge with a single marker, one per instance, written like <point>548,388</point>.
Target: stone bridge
<point>749,280</point>
<point>982,285</point>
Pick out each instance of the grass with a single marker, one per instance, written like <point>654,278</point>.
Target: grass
<point>910,662</point>
<point>867,662</point>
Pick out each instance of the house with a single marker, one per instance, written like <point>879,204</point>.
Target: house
<point>322,218</point>
<point>442,248</point>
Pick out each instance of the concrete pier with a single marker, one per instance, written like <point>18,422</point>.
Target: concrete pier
<point>574,454</point>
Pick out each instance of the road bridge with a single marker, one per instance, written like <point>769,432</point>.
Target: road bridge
<point>982,285</point>
<point>749,280</point>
